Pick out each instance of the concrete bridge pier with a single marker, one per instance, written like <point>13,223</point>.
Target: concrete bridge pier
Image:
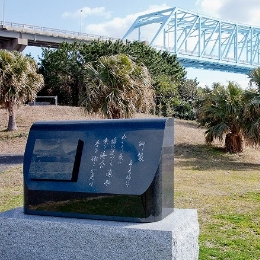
<point>13,44</point>
<point>17,44</point>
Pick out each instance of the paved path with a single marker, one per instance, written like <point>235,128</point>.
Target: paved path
<point>8,160</point>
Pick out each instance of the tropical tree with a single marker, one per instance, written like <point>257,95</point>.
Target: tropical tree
<point>63,74</point>
<point>254,76</point>
<point>222,115</point>
<point>117,87</point>
<point>188,96</point>
<point>62,71</point>
<point>188,90</point>
<point>19,82</point>
<point>167,97</point>
<point>251,117</point>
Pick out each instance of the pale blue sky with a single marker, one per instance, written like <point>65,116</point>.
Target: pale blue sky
<point>113,18</point>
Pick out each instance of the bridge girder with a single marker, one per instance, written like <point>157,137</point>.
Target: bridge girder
<point>200,41</point>
<point>15,36</point>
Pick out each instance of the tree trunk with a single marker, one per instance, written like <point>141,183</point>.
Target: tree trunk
<point>11,123</point>
<point>233,143</point>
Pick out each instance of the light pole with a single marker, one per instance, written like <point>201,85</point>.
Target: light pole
<point>80,20</point>
<point>3,12</point>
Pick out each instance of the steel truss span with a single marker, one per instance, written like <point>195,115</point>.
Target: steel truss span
<point>200,41</point>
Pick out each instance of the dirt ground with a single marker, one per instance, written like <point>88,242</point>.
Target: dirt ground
<point>14,142</point>
<point>185,132</point>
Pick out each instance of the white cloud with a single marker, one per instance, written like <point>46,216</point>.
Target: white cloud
<point>237,11</point>
<point>155,8</point>
<point>114,28</point>
<point>87,11</point>
<point>118,26</point>
<point>209,7</point>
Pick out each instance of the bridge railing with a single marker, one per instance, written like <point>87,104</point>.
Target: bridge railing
<point>52,31</point>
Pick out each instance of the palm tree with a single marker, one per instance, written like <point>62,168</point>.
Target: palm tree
<point>19,82</point>
<point>117,87</point>
<point>251,115</point>
<point>222,115</point>
<point>254,77</point>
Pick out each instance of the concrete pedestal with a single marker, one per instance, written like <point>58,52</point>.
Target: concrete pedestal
<point>31,237</point>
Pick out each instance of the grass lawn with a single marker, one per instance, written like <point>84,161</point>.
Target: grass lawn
<point>225,188</point>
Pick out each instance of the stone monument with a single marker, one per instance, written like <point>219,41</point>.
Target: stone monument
<point>100,169</point>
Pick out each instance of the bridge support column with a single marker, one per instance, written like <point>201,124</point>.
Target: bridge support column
<point>17,44</point>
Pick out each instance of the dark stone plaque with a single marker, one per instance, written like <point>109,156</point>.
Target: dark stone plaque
<point>100,169</point>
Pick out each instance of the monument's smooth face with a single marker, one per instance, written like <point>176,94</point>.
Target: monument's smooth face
<point>106,169</point>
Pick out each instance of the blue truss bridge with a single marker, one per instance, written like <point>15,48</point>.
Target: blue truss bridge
<point>200,41</point>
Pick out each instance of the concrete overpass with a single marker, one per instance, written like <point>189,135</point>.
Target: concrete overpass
<point>15,36</point>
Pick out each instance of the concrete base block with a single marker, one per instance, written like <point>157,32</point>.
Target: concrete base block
<point>32,237</point>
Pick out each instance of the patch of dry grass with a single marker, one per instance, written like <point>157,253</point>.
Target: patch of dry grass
<point>14,142</point>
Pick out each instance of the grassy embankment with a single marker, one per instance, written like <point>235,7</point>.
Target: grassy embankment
<point>225,188</point>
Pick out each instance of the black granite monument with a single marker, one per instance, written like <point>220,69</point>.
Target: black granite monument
<point>118,170</point>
